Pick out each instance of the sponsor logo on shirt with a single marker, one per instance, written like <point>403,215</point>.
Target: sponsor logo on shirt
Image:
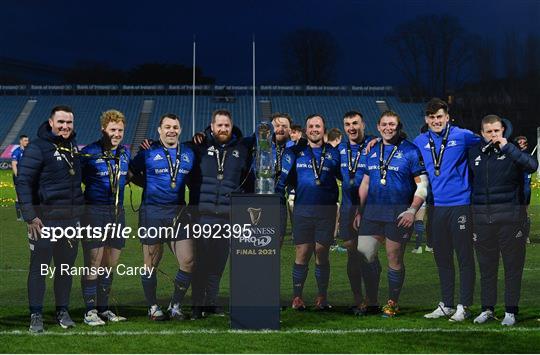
<point>158,157</point>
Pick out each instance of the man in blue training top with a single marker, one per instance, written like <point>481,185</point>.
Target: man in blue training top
<point>393,188</point>
<point>350,151</point>
<point>312,170</point>
<point>16,156</point>
<point>444,149</point>
<point>162,171</point>
<point>104,172</point>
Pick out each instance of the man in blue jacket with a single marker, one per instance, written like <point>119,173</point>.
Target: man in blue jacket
<point>223,164</point>
<point>444,150</point>
<point>104,172</point>
<point>312,170</point>
<point>162,171</point>
<point>498,204</point>
<point>49,190</point>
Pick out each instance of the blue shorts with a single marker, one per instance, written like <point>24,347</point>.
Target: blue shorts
<point>313,230</point>
<point>346,219</point>
<point>156,226</point>
<point>99,217</point>
<point>389,230</point>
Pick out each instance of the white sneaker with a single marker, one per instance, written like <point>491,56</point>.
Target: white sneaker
<point>509,319</point>
<point>440,311</point>
<point>429,250</point>
<point>92,318</point>
<point>484,317</point>
<point>108,315</point>
<point>417,250</point>
<point>461,314</point>
<point>155,313</point>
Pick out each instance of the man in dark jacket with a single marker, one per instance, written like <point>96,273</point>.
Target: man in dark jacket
<point>49,190</point>
<point>223,162</point>
<point>498,204</point>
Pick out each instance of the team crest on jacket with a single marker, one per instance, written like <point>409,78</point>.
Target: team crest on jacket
<point>451,143</point>
<point>236,153</point>
<point>398,155</point>
<point>185,158</point>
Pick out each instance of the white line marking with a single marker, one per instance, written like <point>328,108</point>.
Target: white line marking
<point>290,331</point>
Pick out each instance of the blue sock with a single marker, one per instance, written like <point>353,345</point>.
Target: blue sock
<point>103,291</point>
<point>149,285</point>
<point>322,275</point>
<point>372,277</point>
<point>89,291</point>
<point>181,285</point>
<point>299,275</point>
<point>419,229</point>
<point>395,283</point>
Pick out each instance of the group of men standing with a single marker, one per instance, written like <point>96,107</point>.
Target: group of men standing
<point>385,181</point>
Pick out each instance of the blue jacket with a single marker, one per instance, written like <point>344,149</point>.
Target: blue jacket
<point>498,184</point>
<point>210,194</point>
<point>45,187</point>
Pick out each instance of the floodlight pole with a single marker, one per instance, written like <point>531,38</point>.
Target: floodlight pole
<point>254,103</point>
<point>193,91</point>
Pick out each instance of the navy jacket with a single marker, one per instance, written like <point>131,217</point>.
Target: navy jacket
<point>211,195</point>
<point>497,183</point>
<point>45,187</point>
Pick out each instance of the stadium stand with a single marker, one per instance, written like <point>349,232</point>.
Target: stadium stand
<point>89,108</point>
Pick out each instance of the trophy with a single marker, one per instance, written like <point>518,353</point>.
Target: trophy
<point>264,159</point>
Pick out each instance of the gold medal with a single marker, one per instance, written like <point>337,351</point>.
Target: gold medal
<point>220,176</point>
<point>318,182</point>
<point>437,172</point>
<point>383,181</point>
<point>173,185</point>
<point>351,181</point>
<point>71,172</point>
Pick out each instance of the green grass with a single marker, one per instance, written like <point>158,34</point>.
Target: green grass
<point>301,332</point>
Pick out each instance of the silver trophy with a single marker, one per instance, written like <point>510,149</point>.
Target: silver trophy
<point>264,159</point>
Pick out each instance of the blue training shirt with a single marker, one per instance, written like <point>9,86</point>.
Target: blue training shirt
<point>17,154</point>
<point>386,202</point>
<point>95,174</point>
<point>451,187</point>
<point>297,172</point>
<point>153,164</point>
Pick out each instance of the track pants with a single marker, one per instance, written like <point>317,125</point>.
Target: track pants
<point>451,230</point>
<point>490,241</point>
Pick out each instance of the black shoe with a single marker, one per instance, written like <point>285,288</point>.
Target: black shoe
<point>64,320</point>
<point>197,313</point>
<point>214,311</point>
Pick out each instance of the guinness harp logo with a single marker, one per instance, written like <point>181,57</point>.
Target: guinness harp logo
<point>255,215</point>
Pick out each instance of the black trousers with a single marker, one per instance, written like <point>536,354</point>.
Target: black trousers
<point>507,240</point>
<point>451,229</point>
<point>42,252</point>
<point>210,259</point>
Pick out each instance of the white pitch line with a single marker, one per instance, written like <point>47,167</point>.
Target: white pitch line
<point>277,332</point>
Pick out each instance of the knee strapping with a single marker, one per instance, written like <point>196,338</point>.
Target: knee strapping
<point>368,247</point>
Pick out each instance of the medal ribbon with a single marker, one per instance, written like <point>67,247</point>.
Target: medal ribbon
<point>220,162</point>
<point>114,173</point>
<point>279,154</point>
<point>69,162</point>
<point>317,170</point>
<point>383,165</point>
<point>437,159</point>
<point>354,166</point>
<point>173,170</point>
